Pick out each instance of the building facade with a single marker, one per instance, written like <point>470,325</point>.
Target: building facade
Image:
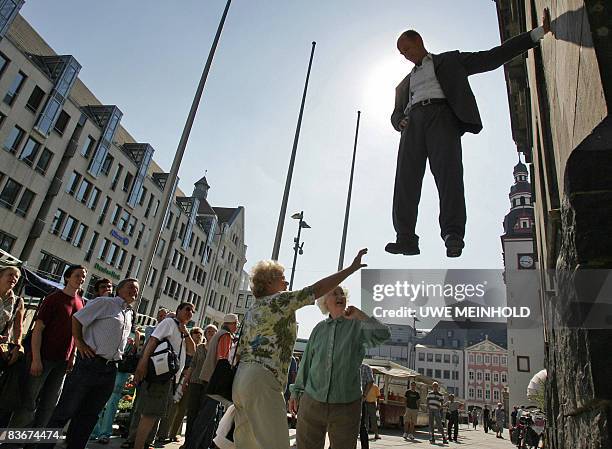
<point>486,374</point>
<point>525,342</point>
<point>76,187</point>
<point>560,97</point>
<point>399,348</point>
<point>444,365</point>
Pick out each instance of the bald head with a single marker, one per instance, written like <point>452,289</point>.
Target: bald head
<point>410,45</point>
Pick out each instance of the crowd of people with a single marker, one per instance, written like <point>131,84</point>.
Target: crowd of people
<point>71,368</point>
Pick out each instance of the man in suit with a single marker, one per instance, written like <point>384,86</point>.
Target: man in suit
<point>434,106</point>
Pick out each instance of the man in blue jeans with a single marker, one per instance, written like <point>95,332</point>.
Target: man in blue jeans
<point>101,330</point>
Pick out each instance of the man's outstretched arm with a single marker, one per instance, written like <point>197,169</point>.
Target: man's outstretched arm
<point>484,61</point>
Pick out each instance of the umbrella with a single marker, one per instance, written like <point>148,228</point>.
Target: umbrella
<point>536,382</point>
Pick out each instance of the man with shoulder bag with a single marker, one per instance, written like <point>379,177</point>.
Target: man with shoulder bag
<point>160,367</point>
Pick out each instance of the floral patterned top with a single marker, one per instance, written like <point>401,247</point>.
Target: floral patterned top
<point>270,331</point>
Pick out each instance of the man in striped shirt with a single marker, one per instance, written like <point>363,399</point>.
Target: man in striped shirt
<point>434,406</point>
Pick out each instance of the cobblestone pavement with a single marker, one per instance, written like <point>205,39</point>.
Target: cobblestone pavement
<point>391,438</point>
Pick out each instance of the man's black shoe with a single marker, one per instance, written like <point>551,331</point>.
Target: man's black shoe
<point>454,245</point>
<point>407,249</point>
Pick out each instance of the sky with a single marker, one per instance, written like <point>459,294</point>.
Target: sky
<point>146,56</point>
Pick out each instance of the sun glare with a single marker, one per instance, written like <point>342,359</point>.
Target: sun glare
<point>379,90</point>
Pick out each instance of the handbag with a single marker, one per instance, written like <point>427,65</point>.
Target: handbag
<point>164,362</point>
<point>222,378</point>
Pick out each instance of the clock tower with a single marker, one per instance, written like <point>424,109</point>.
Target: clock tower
<point>525,345</point>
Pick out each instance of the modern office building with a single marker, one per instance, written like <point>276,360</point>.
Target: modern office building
<point>76,187</point>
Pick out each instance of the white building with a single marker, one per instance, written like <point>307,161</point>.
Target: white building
<point>399,348</point>
<point>525,342</point>
<point>444,365</point>
<point>245,296</point>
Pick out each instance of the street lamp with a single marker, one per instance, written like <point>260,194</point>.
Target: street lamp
<point>297,247</point>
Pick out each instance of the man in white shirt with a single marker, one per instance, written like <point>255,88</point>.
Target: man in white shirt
<point>156,395</point>
<point>434,107</point>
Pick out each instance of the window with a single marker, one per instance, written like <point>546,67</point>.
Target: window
<point>496,395</point>
<point>88,147</point>
<point>487,359</point>
<point>91,246</point>
<point>116,176</point>
<point>9,193</point>
<point>127,181</point>
<point>503,360</point>
<point>455,343</point>
<point>69,229</point>
<point>471,393</point>
<point>495,360</point>
<point>148,209</point>
<point>4,61</point>
<point>6,241</point>
<point>152,277</point>
<point>116,214</point>
<point>455,375</point>
<point>84,191</point>
<point>160,247</point>
<point>131,226</point>
<point>36,97</point>
<point>479,393</point>
<point>104,210</point>
<point>421,356</point>
<point>479,376</point>
<point>142,195</point>
<point>123,221</point>
<point>455,359</point>
<point>446,374</point>
<point>93,199</point>
<point>73,183</point>
<point>14,139</point>
<point>52,265</point>
<point>429,372</point>
<point>104,249</point>
<point>446,358</point>
<point>496,378</point>
<point>24,203</point>
<point>471,359</point>
<point>121,261</point>
<point>107,164</point>
<point>471,375</point>
<point>487,395</point>
<point>429,357</point>
<point>439,342</point>
<point>58,221</point>
<point>438,358</point>
<point>80,235</point>
<point>522,364</point>
<point>113,252</point>
<point>479,359</point>
<point>504,378</point>
<point>13,91</point>
<point>438,374</point>
<point>130,265</point>
<point>169,221</point>
<point>449,333</point>
<point>487,377</point>
<point>61,123</point>
<point>156,208</point>
<point>43,161</point>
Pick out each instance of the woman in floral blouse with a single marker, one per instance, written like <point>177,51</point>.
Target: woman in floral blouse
<point>265,350</point>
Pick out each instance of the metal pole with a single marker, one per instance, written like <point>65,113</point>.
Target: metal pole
<point>348,198</point>
<point>283,211</point>
<point>178,156</point>
<point>296,248</point>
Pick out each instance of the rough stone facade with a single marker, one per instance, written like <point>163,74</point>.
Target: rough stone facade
<point>568,84</point>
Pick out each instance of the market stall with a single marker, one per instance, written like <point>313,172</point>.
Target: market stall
<point>393,380</point>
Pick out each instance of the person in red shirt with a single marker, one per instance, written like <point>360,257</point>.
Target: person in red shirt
<point>52,351</point>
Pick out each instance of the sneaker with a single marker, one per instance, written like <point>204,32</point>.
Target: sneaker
<point>405,248</point>
<point>444,441</point>
<point>405,436</point>
<point>411,437</point>
<point>454,245</point>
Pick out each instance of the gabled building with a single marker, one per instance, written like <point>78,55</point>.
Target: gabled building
<point>486,375</point>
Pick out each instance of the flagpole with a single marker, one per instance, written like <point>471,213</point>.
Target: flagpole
<point>169,187</point>
<point>283,211</point>
<point>348,197</point>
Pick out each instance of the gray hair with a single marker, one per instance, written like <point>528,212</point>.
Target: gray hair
<point>126,281</point>
<point>321,301</point>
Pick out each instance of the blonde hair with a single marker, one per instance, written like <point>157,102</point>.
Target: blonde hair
<point>262,274</point>
<point>321,302</point>
<point>11,267</point>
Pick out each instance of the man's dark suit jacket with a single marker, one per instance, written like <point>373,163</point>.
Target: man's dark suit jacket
<point>452,70</point>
